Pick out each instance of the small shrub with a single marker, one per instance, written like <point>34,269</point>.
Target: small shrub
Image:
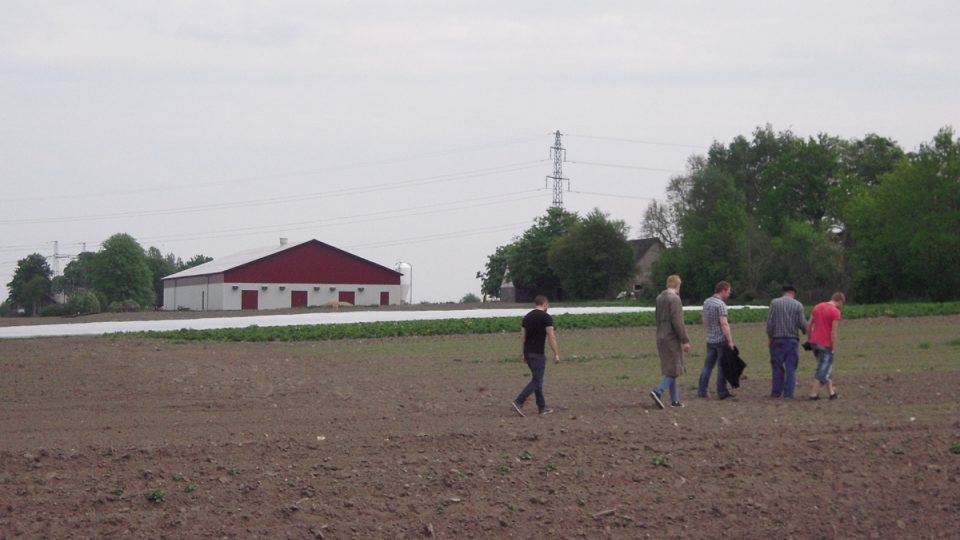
<point>53,310</point>
<point>156,496</point>
<point>234,471</point>
<point>955,449</point>
<point>84,303</point>
<point>660,461</point>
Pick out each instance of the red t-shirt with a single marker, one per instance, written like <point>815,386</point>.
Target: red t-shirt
<point>823,316</point>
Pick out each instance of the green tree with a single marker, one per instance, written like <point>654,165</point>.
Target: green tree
<point>160,266</point>
<point>594,259</point>
<point>196,260</point>
<point>906,231</point>
<point>31,283</point>
<point>526,258</point>
<point>121,273</point>
<point>76,273</point>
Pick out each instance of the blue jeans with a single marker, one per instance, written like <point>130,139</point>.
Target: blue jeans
<point>784,358</point>
<point>825,360</point>
<point>714,352</point>
<point>669,382</point>
<point>538,365</point>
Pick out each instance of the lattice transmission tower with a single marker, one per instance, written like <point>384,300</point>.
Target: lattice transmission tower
<point>559,155</point>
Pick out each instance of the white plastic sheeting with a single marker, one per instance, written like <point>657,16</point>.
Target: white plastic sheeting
<point>98,328</point>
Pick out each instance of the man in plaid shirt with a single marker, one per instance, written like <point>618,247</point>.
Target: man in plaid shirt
<point>784,319</point>
<point>718,339</point>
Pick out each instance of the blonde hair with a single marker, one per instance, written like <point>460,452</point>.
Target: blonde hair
<point>839,297</point>
<point>673,281</point>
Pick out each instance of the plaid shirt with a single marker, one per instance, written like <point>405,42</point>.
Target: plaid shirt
<point>785,318</point>
<point>713,309</point>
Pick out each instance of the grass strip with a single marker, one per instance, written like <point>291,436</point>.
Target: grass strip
<point>505,324</point>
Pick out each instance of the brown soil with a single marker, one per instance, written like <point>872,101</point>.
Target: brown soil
<point>375,439</point>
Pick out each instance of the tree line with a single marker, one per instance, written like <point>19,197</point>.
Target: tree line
<point>122,275</point>
<point>564,256</point>
<point>822,213</point>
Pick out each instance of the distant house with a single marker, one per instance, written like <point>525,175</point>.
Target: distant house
<point>647,252</point>
<point>307,274</point>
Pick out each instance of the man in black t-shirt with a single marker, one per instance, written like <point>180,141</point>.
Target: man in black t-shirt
<point>535,332</point>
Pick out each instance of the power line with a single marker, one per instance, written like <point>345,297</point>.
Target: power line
<point>280,175</point>
<point>618,196</point>
<point>619,166</point>
<point>635,141</point>
<point>288,198</point>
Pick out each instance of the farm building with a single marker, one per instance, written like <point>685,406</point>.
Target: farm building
<point>307,274</point>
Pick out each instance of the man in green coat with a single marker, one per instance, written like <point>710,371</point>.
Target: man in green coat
<point>672,342</point>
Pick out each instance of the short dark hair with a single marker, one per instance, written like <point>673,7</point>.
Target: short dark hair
<point>541,300</point>
<point>720,287</point>
<point>789,288</point>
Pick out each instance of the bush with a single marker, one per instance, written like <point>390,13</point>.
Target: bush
<point>83,303</point>
<point>125,306</point>
<point>470,298</point>
<point>54,310</point>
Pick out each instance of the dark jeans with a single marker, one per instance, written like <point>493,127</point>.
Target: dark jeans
<point>538,365</point>
<point>784,358</point>
<point>714,351</point>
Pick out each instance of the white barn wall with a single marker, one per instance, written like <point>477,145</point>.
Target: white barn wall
<point>227,296</point>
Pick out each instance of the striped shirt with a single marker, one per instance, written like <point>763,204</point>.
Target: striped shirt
<point>785,318</point>
<point>713,309</point>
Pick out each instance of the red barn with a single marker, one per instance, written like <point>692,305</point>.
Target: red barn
<point>308,274</point>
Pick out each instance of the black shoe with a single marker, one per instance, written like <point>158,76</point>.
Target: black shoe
<point>813,398</point>
<point>677,404</point>
<point>704,396</point>
<point>656,399</point>
<point>833,396</point>
<point>774,396</point>
<point>517,407</point>
<point>728,395</point>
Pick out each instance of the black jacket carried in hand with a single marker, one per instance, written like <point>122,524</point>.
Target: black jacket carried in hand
<point>732,365</point>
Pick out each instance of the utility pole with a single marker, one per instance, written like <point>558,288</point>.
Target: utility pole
<point>559,155</point>
<point>57,256</point>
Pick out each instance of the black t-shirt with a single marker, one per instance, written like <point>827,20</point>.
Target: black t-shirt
<point>536,323</point>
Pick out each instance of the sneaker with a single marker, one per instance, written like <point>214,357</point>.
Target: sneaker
<point>516,407</point>
<point>833,396</point>
<point>813,398</point>
<point>728,395</point>
<point>545,411</point>
<point>677,404</point>
<point>656,399</point>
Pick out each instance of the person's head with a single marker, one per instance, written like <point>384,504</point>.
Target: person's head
<point>790,290</point>
<point>673,282</point>
<point>541,301</point>
<point>838,299</point>
<point>722,290</point>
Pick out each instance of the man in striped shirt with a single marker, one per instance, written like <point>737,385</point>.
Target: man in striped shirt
<point>784,319</point>
<point>719,338</point>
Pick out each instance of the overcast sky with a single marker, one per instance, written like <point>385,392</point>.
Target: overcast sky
<point>419,131</point>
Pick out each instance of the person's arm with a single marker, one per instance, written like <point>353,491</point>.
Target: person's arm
<point>833,333</point>
<point>810,326</point>
<point>725,327</point>
<point>803,322</point>
<point>676,320</point>
<point>523,341</point>
<point>552,340</point>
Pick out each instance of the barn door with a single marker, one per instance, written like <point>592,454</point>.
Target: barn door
<point>385,298</point>
<point>249,300</point>
<point>348,296</point>
<point>298,298</point>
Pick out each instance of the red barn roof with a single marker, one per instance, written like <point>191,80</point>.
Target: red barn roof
<point>309,262</point>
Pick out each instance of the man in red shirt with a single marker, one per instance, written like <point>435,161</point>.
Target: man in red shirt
<point>822,329</point>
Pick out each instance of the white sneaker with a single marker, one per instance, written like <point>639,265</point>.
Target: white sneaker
<point>656,399</point>
<point>517,408</point>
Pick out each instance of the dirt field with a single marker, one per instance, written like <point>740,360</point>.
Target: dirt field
<point>415,438</point>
